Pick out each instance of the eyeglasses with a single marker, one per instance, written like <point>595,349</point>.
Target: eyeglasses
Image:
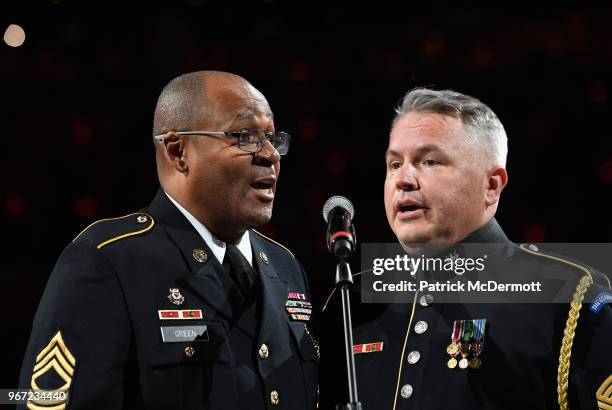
<point>251,140</point>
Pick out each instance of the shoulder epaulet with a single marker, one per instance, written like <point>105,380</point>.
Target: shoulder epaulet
<point>534,250</point>
<point>274,242</point>
<point>596,276</point>
<point>109,230</point>
<point>334,289</point>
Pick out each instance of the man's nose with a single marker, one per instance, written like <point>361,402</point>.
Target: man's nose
<point>268,154</point>
<point>406,180</point>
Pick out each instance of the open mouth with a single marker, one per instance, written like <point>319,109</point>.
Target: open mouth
<point>409,208</point>
<point>263,187</point>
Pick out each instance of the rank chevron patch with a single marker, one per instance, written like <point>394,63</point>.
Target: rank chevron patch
<point>604,395</point>
<point>55,362</point>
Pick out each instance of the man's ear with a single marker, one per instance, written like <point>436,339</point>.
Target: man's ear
<point>497,178</point>
<point>174,151</point>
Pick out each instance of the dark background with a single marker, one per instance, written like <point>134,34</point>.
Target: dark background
<point>78,96</point>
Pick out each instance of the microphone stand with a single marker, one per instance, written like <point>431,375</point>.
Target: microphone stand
<point>343,280</point>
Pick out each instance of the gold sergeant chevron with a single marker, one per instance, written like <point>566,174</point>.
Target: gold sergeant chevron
<point>54,357</point>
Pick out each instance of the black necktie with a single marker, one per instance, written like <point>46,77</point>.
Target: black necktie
<point>241,272</point>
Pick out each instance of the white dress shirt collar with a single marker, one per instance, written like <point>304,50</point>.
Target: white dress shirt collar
<point>216,245</point>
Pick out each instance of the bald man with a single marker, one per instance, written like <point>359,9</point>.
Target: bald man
<point>183,305</point>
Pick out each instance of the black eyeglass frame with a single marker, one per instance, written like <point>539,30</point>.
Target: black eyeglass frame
<point>280,140</point>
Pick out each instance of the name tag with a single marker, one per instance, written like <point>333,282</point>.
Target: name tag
<point>173,334</point>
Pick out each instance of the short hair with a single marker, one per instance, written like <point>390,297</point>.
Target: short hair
<point>183,102</point>
<point>481,124</point>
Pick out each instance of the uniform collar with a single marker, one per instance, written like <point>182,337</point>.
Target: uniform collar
<point>487,235</point>
<point>216,245</point>
<point>490,232</point>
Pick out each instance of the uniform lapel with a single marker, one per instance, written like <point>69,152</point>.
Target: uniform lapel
<point>213,286</point>
<point>273,330</point>
<point>206,279</point>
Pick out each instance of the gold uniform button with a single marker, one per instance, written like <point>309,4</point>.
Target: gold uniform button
<point>274,399</point>
<point>263,351</point>
<point>189,351</point>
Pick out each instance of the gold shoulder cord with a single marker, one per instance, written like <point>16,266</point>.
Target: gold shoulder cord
<point>570,328</point>
<point>568,341</point>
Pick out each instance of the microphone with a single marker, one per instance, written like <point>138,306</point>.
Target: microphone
<point>338,212</point>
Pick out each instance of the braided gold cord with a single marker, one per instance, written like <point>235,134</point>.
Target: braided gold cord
<point>568,340</point>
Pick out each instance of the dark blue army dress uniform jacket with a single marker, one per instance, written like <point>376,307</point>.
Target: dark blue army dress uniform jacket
<point>138,313</point>
<point>532,355</point>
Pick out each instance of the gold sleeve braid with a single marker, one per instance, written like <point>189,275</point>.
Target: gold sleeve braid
<point>568,341</point>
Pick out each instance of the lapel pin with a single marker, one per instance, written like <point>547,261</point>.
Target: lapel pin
<point>141,219</point>
<point>175,296</point>
<point>200,255</point>
<point>263,257</point>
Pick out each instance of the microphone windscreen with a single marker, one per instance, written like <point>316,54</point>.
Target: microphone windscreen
<point>340,201</point>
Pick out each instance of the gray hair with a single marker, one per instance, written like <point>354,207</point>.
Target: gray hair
<point>482,126</point>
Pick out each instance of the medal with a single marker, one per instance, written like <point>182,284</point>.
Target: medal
<point>475,347</point>
<point>453,348</point>
<point>468,331</point>
<point>467,339</point>
<point>478,343</point>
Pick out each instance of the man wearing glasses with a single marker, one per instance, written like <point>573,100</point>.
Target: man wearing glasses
<point>183,305</point>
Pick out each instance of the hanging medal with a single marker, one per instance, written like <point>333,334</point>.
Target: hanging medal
<point>453,348</point>
<point>468,331</point>
<point>477,343</point>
